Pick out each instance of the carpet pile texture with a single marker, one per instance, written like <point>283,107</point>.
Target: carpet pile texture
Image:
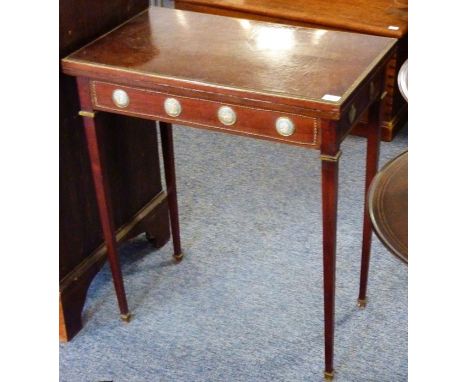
<point>246,302</point>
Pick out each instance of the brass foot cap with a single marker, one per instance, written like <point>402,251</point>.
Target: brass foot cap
<point>178,257</point>
<point>361,303</point>
<point>126,317</point>
<point>329,375</point>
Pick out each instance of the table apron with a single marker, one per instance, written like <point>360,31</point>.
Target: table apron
<point>196,112</point>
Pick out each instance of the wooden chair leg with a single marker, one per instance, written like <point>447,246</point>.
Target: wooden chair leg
<point>105,209</point>
<point>372,164</point>
<point>167,145</point>
<point>329,216</point>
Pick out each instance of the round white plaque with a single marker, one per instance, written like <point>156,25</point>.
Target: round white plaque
<point>172,107</point>
<point>285,127</point>
<point>120,98</point>
<point>227,116</point>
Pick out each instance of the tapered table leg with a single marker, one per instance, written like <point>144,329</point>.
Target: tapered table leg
<point>105,210</point>
<point>329,216</point>
<point>372,164</point>
<point>170,174</point>
<point>101,187</point>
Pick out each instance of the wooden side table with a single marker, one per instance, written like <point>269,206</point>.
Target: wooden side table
<point>290,85</point>
<point>378,17</point>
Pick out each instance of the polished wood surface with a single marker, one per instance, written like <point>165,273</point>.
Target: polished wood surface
<point>200,61</point>
<point>388,206</point>
<point>373,17</point>
<point>250,121</point>
<point>93,132</point>
<point>167,144</point>
<point>372,166</point>
<point>136,209</point>
<point>187,49</point>
<point>362,16</point>
<point>329,223</point>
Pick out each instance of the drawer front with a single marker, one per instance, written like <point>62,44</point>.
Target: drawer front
<point>235,119</point>
<point>357,109</point>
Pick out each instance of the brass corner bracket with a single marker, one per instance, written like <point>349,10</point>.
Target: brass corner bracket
<point>331,158</point>
<point>88,114</point>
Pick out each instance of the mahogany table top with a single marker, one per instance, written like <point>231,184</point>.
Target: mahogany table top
<point>275,63</point>
<point>379,17</point>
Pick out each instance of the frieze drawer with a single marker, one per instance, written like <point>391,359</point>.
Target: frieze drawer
<point>285,127</point>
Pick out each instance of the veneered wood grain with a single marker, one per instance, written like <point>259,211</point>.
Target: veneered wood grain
<point>214,53</point>
<point>332,15</point>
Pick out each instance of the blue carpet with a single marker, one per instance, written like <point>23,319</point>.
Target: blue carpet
<point>246,302</point>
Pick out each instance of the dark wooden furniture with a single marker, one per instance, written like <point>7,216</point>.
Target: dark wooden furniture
<point>388,206</point>
<point>378,17</point>
<point>130,153</point>
<point>190,68</point>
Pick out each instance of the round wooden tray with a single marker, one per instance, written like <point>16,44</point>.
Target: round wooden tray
<point>388,206</point>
